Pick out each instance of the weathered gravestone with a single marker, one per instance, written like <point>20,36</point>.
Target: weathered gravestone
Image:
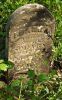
<point>29,42</point>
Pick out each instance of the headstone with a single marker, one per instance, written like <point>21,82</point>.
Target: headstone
<point>29,41</point>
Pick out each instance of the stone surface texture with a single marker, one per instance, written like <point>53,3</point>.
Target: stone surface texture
<point>29,40</point>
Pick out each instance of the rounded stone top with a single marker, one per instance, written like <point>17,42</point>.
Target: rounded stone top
<point>30,11</point>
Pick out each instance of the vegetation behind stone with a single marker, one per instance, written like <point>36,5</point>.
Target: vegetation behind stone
<point>46,87</point>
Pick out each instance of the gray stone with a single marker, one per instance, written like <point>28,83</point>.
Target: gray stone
<point>29,41</point>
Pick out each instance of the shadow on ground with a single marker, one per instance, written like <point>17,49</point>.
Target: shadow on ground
<point>2,47</point>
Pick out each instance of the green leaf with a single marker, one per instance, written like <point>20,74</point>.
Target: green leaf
<point>2,84</point>
<point>9,97</point>
<point>57,1</point>
<point>31,74</point>
<point>2,34</point>
<point>15,83</point>
<point>47,90</point>
<point>30,83</point>
<point>1,61</point>
<point>42,77</point>
<point>9,64</point>
<point>53,72</point>
<point>3,67</point>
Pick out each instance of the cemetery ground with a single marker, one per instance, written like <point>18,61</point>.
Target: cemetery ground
<point>37,87</point>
